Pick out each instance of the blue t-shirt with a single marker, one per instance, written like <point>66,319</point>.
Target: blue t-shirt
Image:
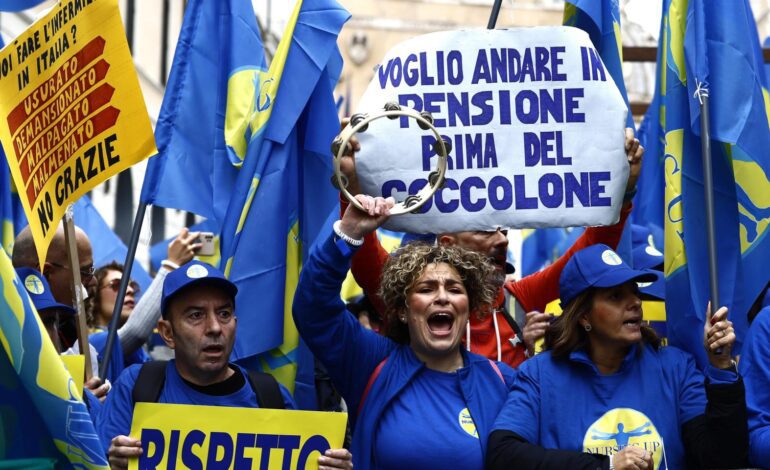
<point>432,416</point>
<point>567,404</point>
<point>118,410</point>
<point>755,369</point>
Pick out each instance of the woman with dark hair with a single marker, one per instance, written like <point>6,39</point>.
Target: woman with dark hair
<point>606,395</point>
<point>416,398</point>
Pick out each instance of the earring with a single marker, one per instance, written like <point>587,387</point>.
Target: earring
<point>403,318</point>
<point>587,327</point>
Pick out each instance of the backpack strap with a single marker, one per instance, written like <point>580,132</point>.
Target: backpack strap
<point>497,370</point>
<point>149,382</point>
<point>267,390</point>
<point>372,378</point>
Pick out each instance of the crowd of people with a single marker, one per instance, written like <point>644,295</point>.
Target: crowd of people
<point>433,366</point>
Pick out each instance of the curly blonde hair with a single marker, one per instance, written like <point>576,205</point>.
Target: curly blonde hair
<point>407,264</point>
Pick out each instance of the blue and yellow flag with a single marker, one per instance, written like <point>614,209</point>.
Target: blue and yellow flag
<point>40,408</point>
<point>710,47</point>
<point>12,214</point>
<point>192,170</point>
<point>650,198</point>
<point>601,20</point>
<point>283,196</point>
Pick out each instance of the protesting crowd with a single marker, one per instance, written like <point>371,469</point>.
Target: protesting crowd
<point>445,360</point>
<point>449,379</point>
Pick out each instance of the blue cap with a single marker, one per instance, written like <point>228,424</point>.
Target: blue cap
<point>193,273</point>
<point>657,288</point>
<point>39,291</point>
<point>646,257</point>
<point>596,266</point>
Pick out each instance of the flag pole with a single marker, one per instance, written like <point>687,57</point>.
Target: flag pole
<point>495,13</point>
<point>77,289</point>
<point>113,329</point>
<point>708,188</point>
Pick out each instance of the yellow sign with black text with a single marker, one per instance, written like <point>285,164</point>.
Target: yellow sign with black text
<point>71,110</point>
<point>228,437</point>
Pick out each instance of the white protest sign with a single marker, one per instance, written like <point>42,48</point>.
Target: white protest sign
<point>535,122</point>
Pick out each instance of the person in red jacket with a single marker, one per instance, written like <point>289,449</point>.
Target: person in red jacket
<point>495,333</point>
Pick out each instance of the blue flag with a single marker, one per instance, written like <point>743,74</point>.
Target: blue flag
<point>12,214</point>
<point>40,410</point>
<point>601,20</point>
<point>767,75</point>
<point>193,171</point>
<point>541,247</point>
<point>18,5</point>
<point>283,197</point>
<point>711,46</point>
<point>106,245</point>
<point>650,198</point>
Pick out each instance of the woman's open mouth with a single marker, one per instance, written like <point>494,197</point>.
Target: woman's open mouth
<point>440,323</point>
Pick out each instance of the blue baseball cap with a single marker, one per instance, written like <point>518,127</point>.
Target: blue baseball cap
<point>39,291</point>
<point>646,257</point>
<point>193,273</point>
<point>657,288</point>
<point>597,266</point>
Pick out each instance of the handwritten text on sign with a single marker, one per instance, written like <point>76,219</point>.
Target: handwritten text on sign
<point>535,122</point>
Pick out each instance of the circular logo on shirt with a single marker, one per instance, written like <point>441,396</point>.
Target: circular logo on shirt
<point>611,258</point>
<point>34,284</point>
<point>467,424</point>
<point>196,271</point>
<point>652,251</point>
<point>620,428</point>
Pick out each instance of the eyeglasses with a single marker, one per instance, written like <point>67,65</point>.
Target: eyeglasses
<point>85,273</point>
<point>114,284</point>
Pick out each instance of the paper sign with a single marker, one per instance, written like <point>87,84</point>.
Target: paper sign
<point>71,111</point>
<point>76,366</point>
<point>535,122</point>
<point>228,437</point>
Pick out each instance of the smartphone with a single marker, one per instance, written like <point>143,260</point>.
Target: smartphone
<point>206,239</point>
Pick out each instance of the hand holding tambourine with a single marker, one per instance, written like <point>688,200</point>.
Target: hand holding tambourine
<point>345,144</point>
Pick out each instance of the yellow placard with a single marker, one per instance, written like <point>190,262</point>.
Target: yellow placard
<point>71,110</point>
<point>227,437</point>
<point>76,366</point>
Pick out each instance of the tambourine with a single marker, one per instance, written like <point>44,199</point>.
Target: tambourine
<point>360,123</point>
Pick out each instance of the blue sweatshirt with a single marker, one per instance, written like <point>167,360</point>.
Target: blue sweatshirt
<point>755,369</point>
<point>351,353</point>
<point>567,404</point>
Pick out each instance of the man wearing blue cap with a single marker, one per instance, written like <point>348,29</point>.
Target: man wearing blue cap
<point>198,323</point>
<point>50,311</point>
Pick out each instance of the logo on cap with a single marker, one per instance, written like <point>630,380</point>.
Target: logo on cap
<point>652,251</point>
<point>196,271</point>
<point>643,284</point>
<point>611,258</point>
<point>34,284</point>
